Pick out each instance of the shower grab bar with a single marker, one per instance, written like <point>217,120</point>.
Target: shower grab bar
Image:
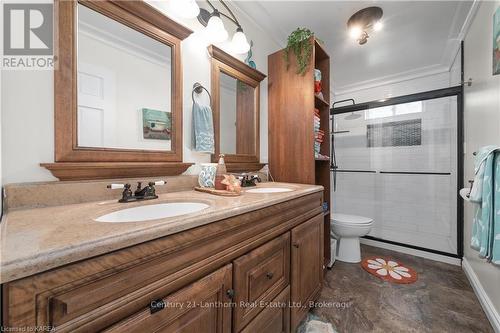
<point>359,171</point>
<point>397,172</point>
<point>416,173</point>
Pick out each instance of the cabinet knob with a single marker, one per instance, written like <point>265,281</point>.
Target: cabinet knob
<point>296,245</point>
<point>230,293</point>
<point>157,305</point>
<point>270,275</point>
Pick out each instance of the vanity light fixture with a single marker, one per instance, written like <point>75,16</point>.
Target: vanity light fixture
<point>363,22</point>
<point>216,30</point>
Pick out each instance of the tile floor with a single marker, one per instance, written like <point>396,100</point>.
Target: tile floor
<point>442,299</point>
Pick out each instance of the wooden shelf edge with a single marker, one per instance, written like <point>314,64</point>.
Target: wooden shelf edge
<point>320,51</point>
<point>321,101</point>
<point>112,170</point>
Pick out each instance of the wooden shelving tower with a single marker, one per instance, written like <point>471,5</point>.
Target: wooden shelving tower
<point>291,103</point>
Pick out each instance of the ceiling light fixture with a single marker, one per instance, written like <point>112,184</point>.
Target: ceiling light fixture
<point>218,33</point>
<point>363,22</point>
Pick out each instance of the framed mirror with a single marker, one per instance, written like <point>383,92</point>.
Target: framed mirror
<point>118,91</point>
<point>235,102</point>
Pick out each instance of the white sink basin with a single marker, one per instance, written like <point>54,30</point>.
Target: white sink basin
<point>269,190</point>
<point>152,212</point>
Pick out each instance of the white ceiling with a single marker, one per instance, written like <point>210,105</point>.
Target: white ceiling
<point>418,36</point>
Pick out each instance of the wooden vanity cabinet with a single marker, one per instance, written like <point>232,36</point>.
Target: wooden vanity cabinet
<point>273,254</point>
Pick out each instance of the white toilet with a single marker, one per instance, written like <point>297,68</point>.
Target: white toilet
<point>347,229</point>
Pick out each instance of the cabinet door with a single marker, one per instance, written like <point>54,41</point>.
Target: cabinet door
<point>198,307</point>
<point>307,267</point>
<point>275,318</point>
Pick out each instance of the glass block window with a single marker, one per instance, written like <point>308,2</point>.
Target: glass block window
<point>395,133</point>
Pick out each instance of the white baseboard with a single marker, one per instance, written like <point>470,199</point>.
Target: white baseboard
<point>488,307</point>
<point>413,252</point>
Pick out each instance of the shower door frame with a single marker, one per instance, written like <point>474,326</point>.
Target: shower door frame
<point>433,94</point>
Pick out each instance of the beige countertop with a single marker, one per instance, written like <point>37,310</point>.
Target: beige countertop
<point>38,239</point>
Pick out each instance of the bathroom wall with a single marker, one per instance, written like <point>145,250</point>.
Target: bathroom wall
<point>28,104</point>
<point>406,85</point>
<point>482,127</point>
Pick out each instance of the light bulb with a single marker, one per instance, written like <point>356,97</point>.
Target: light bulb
<point>239,42</point>
<point>215,29</point>
<point>355,32</point>
<point>378,26</point>
<point>185,8</point>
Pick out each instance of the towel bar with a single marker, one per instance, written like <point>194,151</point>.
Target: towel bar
<point>198,88</point>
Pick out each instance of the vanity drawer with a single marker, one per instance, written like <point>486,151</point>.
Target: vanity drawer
<point>260,276</point>
<point>273,319</point>
<point>195,308</point>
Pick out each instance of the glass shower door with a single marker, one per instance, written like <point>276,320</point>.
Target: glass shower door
<point>398,165</point>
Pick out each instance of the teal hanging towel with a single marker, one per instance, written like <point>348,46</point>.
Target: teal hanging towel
<point>485,193</point>
<point>203,129</point>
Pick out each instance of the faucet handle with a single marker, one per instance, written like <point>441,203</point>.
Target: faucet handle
<point>127,192</point>
<point>115,186</point>
<point>157,183</point>
<point>257,178</point>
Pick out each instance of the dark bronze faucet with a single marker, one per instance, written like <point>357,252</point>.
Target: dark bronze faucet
<point>249,180</point>
<point>141,193</point>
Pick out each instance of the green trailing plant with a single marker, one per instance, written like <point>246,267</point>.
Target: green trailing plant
<point>299,43</point>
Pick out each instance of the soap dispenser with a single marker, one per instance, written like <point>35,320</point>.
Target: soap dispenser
<point>219,174</point>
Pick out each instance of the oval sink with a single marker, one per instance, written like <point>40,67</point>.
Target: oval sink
<point>152,212</point>
<point>269,190</point>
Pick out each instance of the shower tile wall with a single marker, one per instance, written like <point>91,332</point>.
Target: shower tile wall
<point>408,208</point>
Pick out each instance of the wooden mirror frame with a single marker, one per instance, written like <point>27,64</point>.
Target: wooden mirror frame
<point>74,162</point>
<point>224,62</point>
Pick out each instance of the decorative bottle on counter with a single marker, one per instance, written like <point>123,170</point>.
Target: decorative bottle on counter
<point>219,175</point>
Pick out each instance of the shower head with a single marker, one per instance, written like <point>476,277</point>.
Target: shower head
<point>353,116</point>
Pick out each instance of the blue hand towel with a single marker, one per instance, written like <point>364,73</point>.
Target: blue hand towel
<point>203,129</point>
<point>486,194</point>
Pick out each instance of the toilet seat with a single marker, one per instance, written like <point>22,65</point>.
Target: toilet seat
<point>352,220</point>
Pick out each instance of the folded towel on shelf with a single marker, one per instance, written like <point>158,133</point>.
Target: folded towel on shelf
<point>317,75</point>
<point>485,193</point>
<point>203,129</point>
<point>317,86</point>
<point>319,94</point>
